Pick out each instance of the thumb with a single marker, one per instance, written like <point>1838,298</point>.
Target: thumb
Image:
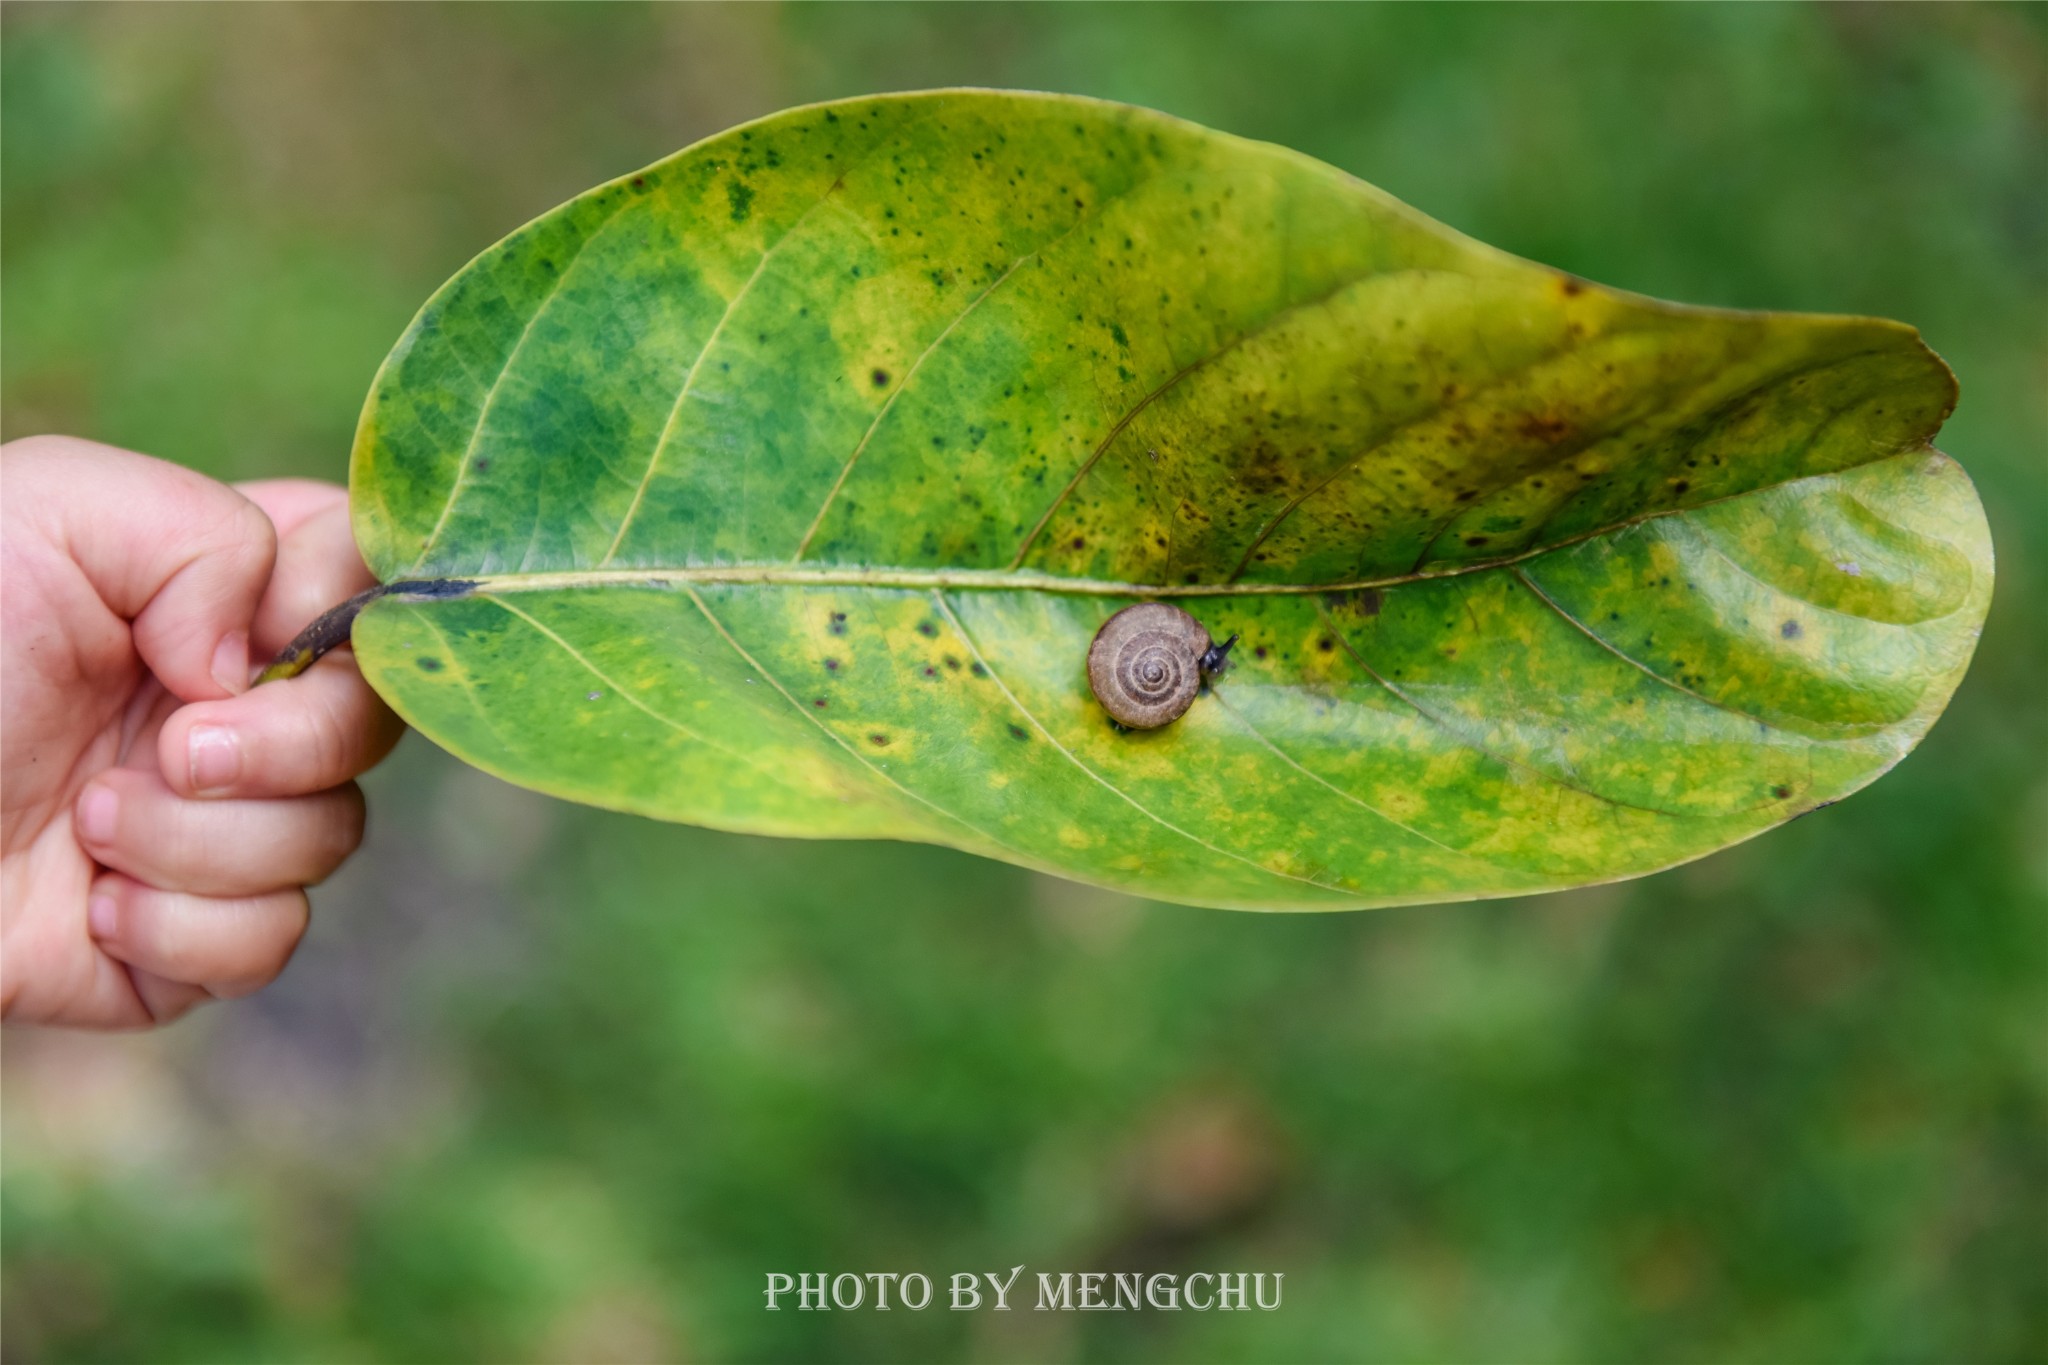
<point>184,559</point>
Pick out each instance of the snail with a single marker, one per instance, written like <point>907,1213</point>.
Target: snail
<point>1148,662</point>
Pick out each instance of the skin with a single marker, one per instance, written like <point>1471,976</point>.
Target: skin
<point>160,821</point>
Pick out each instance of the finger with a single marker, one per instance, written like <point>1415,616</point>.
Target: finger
<point>143,722</point>
<point>218,946</point>
<point>288,738</point>
<point>133,822</point>
<point>287,502</point>
<point>183,558</point>
<point>318,566</point>
<point>73,984</point>
<point>164,1000</point>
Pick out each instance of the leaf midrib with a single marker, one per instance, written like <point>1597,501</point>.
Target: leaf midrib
<point>784,574</point>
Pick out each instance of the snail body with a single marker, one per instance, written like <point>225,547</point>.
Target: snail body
<point>1147,664</point>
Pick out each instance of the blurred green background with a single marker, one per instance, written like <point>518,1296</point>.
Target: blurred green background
<point>550,1084</point>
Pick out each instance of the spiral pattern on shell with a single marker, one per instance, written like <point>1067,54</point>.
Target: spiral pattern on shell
<point>1145,666</point>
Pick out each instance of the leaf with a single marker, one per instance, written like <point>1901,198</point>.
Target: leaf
<point>796,472</point>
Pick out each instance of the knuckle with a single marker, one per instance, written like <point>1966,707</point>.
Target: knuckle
<point>173,950</point>
<point>192,852</point>
<point>229,520</point>
<point>331,728</point>
<point>264,952</point>
<point>165,1007</point>
<point>344,828</point>
<point>294,914</point>
<point>250,526</point>
<point>239,534</point>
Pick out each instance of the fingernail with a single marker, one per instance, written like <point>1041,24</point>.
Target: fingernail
<point>215,757</point>
<point>99,813</point>
<point>231,661</point>
<point>100,915</point>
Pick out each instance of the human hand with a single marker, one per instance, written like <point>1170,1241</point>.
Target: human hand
<point>159,821</point>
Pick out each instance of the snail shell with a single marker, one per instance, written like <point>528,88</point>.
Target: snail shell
<point>1146,664</point>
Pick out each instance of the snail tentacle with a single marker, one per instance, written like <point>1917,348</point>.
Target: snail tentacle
<point>1218,655</point>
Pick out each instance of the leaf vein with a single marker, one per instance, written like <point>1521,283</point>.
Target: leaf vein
<point>860,758</point>
<point>1083,220</point>
<point>1763,385</point>
<point>554,292</point>
<point>1618,652</point>
<point>1713,545</point>
<point>1360,802</point>
<point>1465,741</point>
<point>668,426</point>
<point>461,669</point>
<point>1264,325</point>
<point>947,611</point>
<point>1395,433</point>
<point>627,693</point>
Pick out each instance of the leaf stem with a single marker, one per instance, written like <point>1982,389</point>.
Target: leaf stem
<point>332,627</point>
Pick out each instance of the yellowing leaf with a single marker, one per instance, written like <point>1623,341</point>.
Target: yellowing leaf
<point>795,473</point>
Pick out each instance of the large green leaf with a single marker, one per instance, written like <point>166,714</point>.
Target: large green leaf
<point>796,472</point>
